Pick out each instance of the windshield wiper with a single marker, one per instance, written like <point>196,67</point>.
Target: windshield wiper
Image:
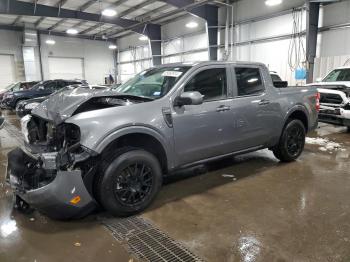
<point>143,97</point>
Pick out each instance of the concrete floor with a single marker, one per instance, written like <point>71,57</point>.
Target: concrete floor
<point>248,208</point>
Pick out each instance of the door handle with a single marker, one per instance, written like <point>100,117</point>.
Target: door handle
<point>264,102</point>
<point>223,108</point>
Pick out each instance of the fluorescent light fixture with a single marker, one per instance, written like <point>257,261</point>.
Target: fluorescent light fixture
<point>192,24</point>
<point>273,2</point>
<point>50,42</point>
<point>109,12</point>
<point>112,47</point>
<point>72,31</point>
<point>143,38</point>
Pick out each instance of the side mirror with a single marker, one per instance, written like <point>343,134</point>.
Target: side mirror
<point>189,98</point>
<point>280,84</point>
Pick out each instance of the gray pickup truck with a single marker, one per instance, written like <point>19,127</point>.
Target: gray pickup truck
<point>86,148</point>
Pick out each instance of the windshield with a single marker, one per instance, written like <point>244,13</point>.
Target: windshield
<point>7,88</point>
<point>338,75</point>
<point>153,83</point>
<point>16,87</point>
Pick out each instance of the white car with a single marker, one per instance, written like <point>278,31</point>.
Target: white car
<point>334,92</point>
<point>337,77</point>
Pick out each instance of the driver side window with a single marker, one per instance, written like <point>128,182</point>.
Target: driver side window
<point>211,83</point>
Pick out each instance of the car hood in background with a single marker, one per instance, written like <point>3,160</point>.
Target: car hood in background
<point>331,84</point>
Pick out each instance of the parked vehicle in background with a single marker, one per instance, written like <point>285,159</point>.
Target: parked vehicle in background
<point>335,106</point>
<point>277,80</point>
<point>16,87</point>
<point>334,92</point>
<point>25,107</point>
<point>84,147</point>
<point>44,88</point>
<point>337,78</point>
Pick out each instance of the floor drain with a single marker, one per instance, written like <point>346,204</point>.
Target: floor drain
<point>147,242</point>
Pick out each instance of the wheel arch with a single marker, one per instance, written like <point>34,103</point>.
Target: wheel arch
<point>298,112</point>
<point>139,137</point>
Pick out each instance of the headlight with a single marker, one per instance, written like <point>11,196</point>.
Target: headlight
<point>31,106</point>
<point>8,96</point>
<point>24,126</point>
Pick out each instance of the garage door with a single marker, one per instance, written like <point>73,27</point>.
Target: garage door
<point>66,68</point>
<point>7,72</point>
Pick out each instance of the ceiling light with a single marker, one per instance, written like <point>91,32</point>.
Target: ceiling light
<point>143,38</point>
<point>192,25</point>
<point>109,12</point>
<point>273,2</point>
<point>50,42</point>
<point>72,31</point>
<point>112,47</point>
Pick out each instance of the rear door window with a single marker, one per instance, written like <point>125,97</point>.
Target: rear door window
<point>249,81</point>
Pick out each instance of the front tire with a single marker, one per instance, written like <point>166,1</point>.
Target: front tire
<point>292,141</point>
<point>130,181</point>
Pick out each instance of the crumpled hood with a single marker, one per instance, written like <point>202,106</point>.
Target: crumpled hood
<point>61,106</point>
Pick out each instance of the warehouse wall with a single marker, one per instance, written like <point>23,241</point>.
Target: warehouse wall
<point>11,44</point>
<point>134,56</point>
<point>262,40</point>
<point>333,45</point>
<point>98,59</point>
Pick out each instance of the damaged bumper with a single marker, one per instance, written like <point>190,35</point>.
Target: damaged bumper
<point>337,116</point>
<point>58,194</point>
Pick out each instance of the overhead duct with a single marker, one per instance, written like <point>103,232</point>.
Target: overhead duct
<point>30,37</point>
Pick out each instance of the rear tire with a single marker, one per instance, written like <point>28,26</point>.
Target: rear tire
<point>129,181</point>
<point>292,141</point>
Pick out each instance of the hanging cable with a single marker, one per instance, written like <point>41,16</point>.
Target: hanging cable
<point>296,49</point>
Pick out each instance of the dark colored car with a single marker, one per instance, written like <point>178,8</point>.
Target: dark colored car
<point>25,107</point>
<point>41,89</point>
<point>17,87</point>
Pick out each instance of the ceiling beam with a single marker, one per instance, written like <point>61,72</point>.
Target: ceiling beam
<point>27,9</point>
<point>92,28</point>
<point>39,21</point>
<point>137,7</point>
<point>187,7</point>
<point>155,11</point>
<point>18,18</point>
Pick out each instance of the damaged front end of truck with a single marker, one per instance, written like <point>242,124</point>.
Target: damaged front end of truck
<point>335,106</point>
<point>53,172</point>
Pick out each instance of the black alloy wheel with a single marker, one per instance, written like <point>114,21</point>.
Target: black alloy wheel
<point>133,184</point>
<point>130,180</point>
<point>295,140</point>
<point>292,141</point>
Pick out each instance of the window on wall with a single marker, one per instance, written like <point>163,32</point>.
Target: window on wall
<point>211,83</point>
<point>249,81</point>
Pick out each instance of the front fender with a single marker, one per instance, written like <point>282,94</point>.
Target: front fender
<point>102,143</point>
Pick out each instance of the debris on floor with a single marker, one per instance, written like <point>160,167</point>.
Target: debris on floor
<point>77,244</point>
<point>324,143</point>
<point>230,176</point>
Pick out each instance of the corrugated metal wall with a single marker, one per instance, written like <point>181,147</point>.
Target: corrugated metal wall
<point>262,40</point>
